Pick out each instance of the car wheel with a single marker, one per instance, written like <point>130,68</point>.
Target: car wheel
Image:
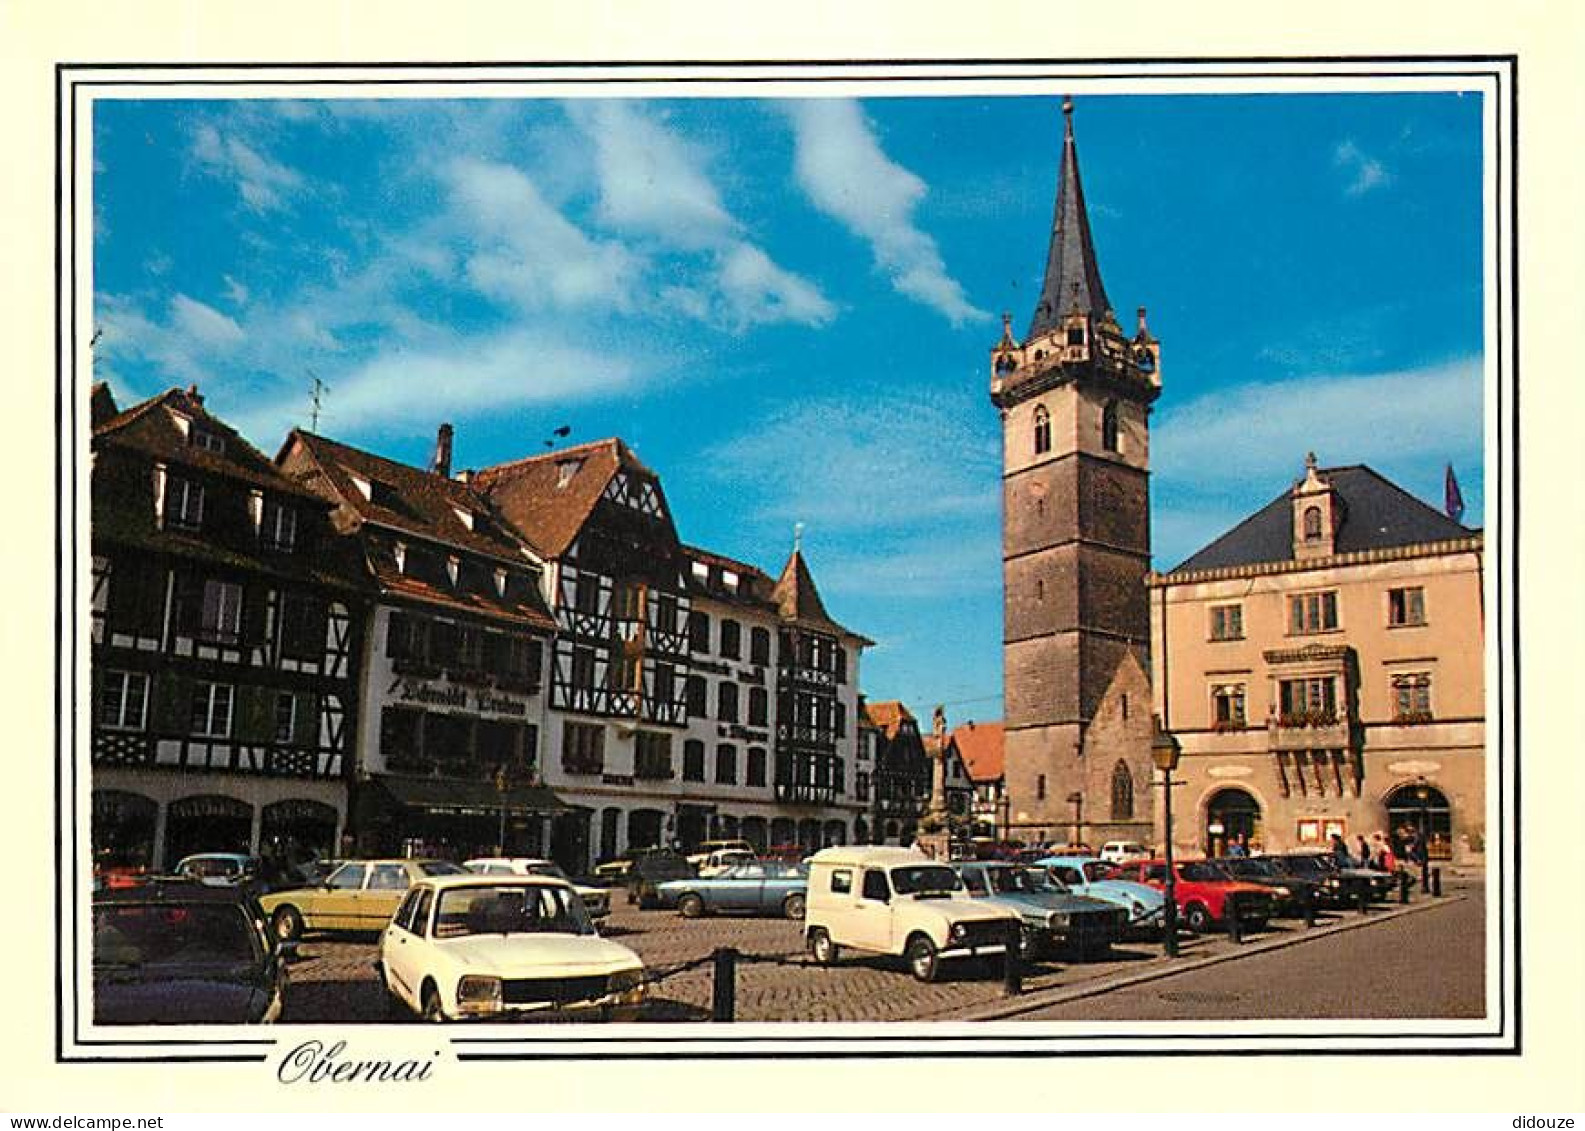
<point>287,922</point>
<point>433,1011</point>
<point>1198,918</point>
<point>793,907</point>
<point>923,962</point>
<point>821,948</point>
<point>690,906</point>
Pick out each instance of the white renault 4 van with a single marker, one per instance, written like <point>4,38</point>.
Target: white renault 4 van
<point>897,901</point>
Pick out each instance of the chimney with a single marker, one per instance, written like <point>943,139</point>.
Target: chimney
<point>441,465</point>
<point>192,392</point>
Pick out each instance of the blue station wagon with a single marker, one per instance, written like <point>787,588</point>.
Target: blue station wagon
<point>768,888</point>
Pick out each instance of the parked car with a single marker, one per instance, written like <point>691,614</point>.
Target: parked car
<point>1338,886</point>
<point>1052,916</point>
<point>1203,890</point>
<point>1094,877</point>
<point>897,901</point>
<point>219,869</point>
<point>771,888</point>
<point>596,900</point>
<point>174,952</point>
<point>360,895</point>
<point>720,860</point>
<point>1122,851</point>
<point>700,856</point>
<point>475,947</point>
<point>650,870</point>
<point>1290,891</point>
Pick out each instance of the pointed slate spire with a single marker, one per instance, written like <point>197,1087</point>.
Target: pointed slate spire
<point>798,600</point>
<point>1073,277</point>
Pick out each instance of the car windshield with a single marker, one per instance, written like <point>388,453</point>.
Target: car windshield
<point>1099,870</point>
<point>138,934</point>
<point>1247,867</point>
<point>442,868</point>
<point>1006,880</point>
<point>510,909</point>
<point>917,878</point>
<point>547,869</point>
<point>1202,872</point>
<point>1306,865</point>
<point>210,866</point>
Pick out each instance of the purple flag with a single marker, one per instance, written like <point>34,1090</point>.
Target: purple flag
<point>1454,499</point>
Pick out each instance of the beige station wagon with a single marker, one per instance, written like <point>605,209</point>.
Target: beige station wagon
<point>360,895</point>
<point>897,901</point>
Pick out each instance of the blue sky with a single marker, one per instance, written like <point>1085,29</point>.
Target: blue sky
<point>787,307</point>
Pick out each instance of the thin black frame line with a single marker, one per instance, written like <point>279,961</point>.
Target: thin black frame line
<point>948,61</point>
<point>1498,75</point>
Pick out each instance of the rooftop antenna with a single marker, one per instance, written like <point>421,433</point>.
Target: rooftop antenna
<point>320,389</point>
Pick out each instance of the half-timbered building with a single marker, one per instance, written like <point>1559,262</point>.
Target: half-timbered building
<point>902,773</point>
<point>226,628</point>
<point>449,753</point>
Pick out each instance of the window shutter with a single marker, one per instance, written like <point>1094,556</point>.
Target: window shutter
<point>306,729</point>
<point>169,702</point>
<point>255,713</point>
<point>189,603</point>
<point>255,603</point>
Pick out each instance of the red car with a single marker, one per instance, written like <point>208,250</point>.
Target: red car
<point>1201,891</point>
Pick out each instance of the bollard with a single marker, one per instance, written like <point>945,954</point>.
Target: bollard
<point>1362,898</point>
<point>1425,879</point>
<point>1307,907</point>
<point>1403,887</point>
<point>723,1006</point>
<point>1012,967</point>
<point>1235,929</point>
<point>1436,882</point>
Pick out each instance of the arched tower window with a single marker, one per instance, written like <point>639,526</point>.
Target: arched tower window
<point>1122,793</point>
<point>1109,427</point>
<point>1042,430</point>
<point>1312,524</point>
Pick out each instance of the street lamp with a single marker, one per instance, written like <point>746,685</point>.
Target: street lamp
<point>1164,752</point>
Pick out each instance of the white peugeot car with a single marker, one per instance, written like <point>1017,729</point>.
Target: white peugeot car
<point>497,947</point>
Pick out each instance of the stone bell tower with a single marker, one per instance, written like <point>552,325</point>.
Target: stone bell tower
<point>1075,397</point>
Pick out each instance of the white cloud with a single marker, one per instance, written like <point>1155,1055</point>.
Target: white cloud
<point>886,462</point>
<point>462,378</point>
<point>1364,171</point>
<point>650,181</point>
<point>204,324</point>
<point>840,165</point>
<point>235,291</point>
<point>525,250</point>
<point>263,184</point>
<point>756,290</point>
<point>1259,432</point>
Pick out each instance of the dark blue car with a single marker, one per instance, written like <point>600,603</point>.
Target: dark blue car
<point>768,888</point>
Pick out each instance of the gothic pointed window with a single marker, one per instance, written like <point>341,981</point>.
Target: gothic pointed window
<point>1122,793</point>
<point>1042,430</point>
<point>1109,439</point>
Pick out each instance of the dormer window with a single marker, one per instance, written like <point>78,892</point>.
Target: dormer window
<point>729,580</point>
<point>453,569</point>
<point>365,488</point>
<point>1076,335</point>
<point>464,516</point>
<point>209,441</point>
<point>565,470</point>
<point>399,552</point>
<point>1312,524</point>
<point>500,582</point>
<point>701,573</point>
<point>184,503</point>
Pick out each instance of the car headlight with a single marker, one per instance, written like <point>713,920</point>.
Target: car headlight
<point>1057,921</point>
<point>959,932</point>
<point>478,993</point>
<point>1281,892</point>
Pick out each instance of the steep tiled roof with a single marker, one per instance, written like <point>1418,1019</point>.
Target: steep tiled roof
<point>982,747</point>
<point>101,404</point>
<point>151,427</point>
<point>754,587</point>
<point>887,715</point>
<point>1377,515</point>
<point>419,502</point>
<point>798,601</point>
<point>1073,276</point>
<point>531,495</point>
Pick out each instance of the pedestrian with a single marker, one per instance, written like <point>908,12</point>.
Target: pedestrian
<point>1386,861</point>
<point>1364,851</point>
<point>1340,850</point>
<point>1237,849</point>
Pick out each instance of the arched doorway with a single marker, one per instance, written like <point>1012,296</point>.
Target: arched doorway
<point>809,834</point>
<point>569,840</point>
<point>207,823</point>
<point>643,829</point>
<point>835,832</point>
<point>694,824</point>
<point>300,827</point>
<point>1229,814</point>
<point>1419,807</point>
<point>861,831</point>
<point>610,823</point>
<point>123,829</point>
